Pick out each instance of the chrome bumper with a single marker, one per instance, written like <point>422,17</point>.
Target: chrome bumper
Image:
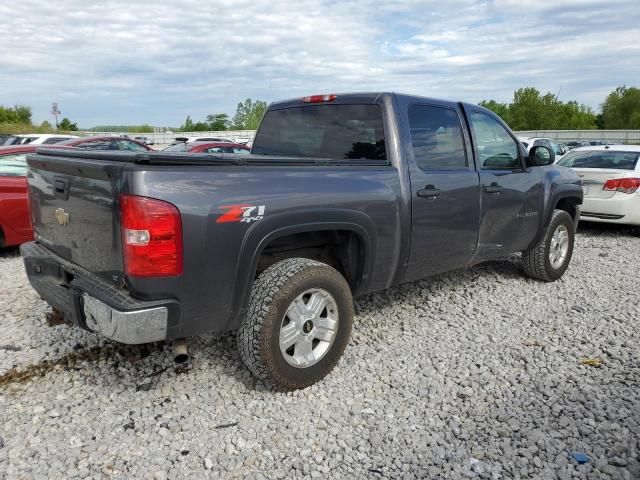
<point>133,327</point>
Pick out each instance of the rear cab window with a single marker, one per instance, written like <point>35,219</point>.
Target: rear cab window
<point>601,159</point>
<point>336,131</point>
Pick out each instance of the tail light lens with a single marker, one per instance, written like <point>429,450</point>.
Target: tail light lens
<point>151,237</point>
<point>624,185</point>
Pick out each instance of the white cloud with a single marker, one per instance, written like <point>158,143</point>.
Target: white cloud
<point>156,62</point>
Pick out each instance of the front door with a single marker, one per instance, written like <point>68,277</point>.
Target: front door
<point>512,196</point>
<point>445,192</point>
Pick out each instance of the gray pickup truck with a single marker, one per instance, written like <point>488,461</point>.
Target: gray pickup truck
<point>342,195</point>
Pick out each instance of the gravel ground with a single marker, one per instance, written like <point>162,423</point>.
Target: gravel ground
<point>470,374</point>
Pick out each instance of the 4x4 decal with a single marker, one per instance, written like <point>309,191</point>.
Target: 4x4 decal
<point>241,213</point>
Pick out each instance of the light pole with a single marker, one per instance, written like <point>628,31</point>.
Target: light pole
<point>55,112</point>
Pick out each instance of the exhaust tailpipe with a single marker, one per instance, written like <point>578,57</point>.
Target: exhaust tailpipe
<point>180,351</point>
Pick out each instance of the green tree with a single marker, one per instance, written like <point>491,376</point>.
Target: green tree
<point>530,110</point>
<point>501,109</point>
<point>66,125</point>
<point>200,127</point>
<point>187,126</point>
<point>249,114</point>
<point>20,114</point>
<point>218,121</point>
<point>621,109</point>
<point>46,126</point>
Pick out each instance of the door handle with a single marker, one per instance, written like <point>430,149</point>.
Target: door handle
<point>493,188</point>
<point>428,192</point>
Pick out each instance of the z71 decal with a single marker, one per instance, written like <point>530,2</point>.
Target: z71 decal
<point>241,213</point>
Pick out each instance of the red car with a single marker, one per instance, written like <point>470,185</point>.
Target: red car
<point>106,143</point>
<point>15,225</point>
<point>208,147</point>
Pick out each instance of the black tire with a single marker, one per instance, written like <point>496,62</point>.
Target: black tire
<point>272,293</point>
<point>537,263</point>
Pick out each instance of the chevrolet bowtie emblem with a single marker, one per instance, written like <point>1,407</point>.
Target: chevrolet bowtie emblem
<point>61,216</point>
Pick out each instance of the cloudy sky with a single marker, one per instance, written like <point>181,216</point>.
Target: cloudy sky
<point>130,62</point>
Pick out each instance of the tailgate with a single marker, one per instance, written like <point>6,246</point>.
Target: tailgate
<point>74,211</point>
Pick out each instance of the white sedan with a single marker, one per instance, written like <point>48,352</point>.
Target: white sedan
<point>610,181</point>
<point>44,138</point>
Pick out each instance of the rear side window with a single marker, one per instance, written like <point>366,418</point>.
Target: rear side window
<point>601,159</point>
<point>13,165</point>
<point>436,137</point>
<point>323,131</point>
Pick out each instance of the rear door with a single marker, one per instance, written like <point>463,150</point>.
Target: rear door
<point>445,190</point>
<point>512,195</point>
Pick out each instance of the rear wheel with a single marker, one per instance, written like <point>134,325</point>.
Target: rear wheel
<point>298,323</point>
<point>550,258</point>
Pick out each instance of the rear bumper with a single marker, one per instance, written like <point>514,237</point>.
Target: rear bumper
<point>621,208</point>
<point>92,303</point>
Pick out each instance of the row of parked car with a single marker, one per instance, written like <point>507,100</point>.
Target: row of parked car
<point>610,173</point>
<point>15,226</point>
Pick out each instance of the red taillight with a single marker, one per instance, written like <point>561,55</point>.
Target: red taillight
<point>319,98</point>
<point>151,237</point>
<point>624,185</point>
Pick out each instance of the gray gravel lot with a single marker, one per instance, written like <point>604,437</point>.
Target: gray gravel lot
<point>470,374</point>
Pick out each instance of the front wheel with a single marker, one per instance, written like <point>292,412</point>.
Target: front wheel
<point>298,323</point>
<point>550,258</point>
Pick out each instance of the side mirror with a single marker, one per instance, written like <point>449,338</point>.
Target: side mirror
<point>540,156</point>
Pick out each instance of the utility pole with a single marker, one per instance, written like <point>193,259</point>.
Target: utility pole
<point>55,112</point>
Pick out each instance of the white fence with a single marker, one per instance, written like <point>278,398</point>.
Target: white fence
<point>613,136</point>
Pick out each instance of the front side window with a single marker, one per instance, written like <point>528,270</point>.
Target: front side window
<point>13,165</point>
<point>436,138</point>
<point>497,150</point>
<point>323,131</point>
<point>601,159</point>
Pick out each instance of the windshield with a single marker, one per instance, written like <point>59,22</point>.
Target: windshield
<point>13,165</point>
<point>600,159</point>
<point>323,131</point>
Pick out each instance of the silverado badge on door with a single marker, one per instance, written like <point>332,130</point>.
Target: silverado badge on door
<point>61,216</point>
